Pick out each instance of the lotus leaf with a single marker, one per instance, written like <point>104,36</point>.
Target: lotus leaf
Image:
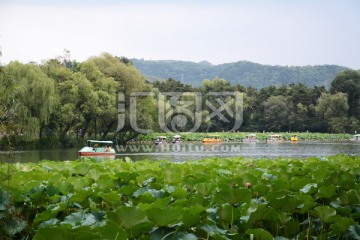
<point>129,217</point>
<point>125,177</point>
<point>162,217</point>
<point>80,183</point>
<point>50,213</point>
<point>128,190</point>
<point>104,181</point>
<point>228,213</point>
<point>50,223</point>
<point>326,191</point>
<point>79,218</point>
<point>111,230</point>
<point>310,188</point>
<point>80,197</point>
<point>205,188</point>
<point>286,203</point>
<point>189,218</point>
<point>81,169</point>
<point>172,175</point>
<point>64,187</point>
<point>233,196</point>
<point>268,176</point>
<point>213,229</point>
<point>341,225</point>
<point>64,233</point>
<point>179,193</point>
<point>4,200</point>
<point>15,225</point>
<point>325,213</point>
<point>306,203</point>
<point>355,231</point>
<point>52,190</point>
<point>259,234</point>
<point>112,198</point>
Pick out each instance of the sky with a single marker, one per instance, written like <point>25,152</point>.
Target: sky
<point>272,32</point>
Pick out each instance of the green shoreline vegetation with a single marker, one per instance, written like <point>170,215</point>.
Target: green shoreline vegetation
<point>20,143</point>
<point>239,136</point>
<point>225,198</point>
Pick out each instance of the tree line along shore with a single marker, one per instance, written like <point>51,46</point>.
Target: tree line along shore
<point>61,103</point>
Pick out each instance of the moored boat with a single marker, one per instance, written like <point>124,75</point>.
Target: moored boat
<point>160,140</point>
<point>275,138</point>
<point>294,138</point>
<point>212,139</point>
<point>98,148</point>
<point>176,139</point>
<point>356,138</point>
<point>250,138</point>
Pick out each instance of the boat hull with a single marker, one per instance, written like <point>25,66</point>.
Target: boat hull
<point>89,151</point>
<point>89,154</point>
<point>210,140</point>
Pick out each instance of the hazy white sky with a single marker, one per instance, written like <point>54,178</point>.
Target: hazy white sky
<point>270,32</point>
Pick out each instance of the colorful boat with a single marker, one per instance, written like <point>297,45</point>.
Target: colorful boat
<point>250,138</point>
<point>275,138</point>
<point>160,140</point>
<point>212,139</point>
<point>356,138</point>
<point>176,139</point>
<point>294,138</point>
<point>98,148</point>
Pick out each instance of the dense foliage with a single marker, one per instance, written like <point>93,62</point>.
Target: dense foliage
<point>208,199</point>
<point>62,103</point>
<point>245,73</point>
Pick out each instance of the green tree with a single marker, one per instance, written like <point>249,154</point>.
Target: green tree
<point>129,80</point>
<point>333,109</point>
<point>276,113</point>
<point>34,95</point>
<point>349,82</point>
<point>171,85</point>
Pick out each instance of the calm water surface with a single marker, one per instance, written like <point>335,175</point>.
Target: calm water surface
<point>193,151</point>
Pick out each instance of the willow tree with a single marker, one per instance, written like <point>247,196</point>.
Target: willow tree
<point>106,89</point>
<point>78,104</point>
<point>34,97</point>
<point>129,80</point>
<point>7,99</point>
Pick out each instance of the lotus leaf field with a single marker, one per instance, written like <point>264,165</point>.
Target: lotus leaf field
<point>235,198</point>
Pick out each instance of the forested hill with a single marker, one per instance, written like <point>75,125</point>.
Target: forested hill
<point>242,72</point>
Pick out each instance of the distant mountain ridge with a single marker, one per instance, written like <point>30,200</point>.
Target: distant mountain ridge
<point>243,72</point>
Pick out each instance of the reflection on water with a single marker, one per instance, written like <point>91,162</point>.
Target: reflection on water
<point>192,151</point>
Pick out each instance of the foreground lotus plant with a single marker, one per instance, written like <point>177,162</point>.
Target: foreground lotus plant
<point>206,199</point>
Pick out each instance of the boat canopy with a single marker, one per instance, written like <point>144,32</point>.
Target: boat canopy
<point>177,136</point>
<point>160,137</point>
<point>357,135</point>
<point>95,141</point>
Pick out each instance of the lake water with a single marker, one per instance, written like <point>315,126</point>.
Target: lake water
<point>193,151</point>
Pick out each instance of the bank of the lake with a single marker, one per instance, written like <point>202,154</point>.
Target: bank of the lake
<point>21,143</point>
<point>260,136</point>
<point>227,198</point>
